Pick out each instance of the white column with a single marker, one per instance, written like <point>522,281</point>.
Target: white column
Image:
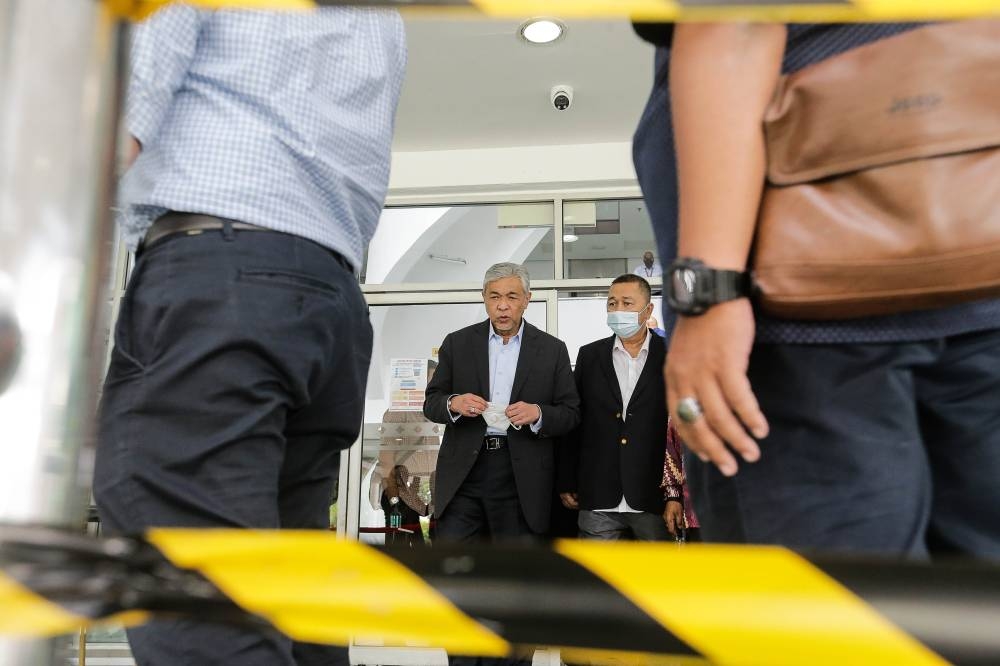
<point>59,63</point>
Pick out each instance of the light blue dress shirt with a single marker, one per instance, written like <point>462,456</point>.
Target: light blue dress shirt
<point>279,119</point>
<point>503,366</point>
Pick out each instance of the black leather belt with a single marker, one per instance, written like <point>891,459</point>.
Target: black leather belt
<point>189,223</point>
<point>495,442</point>
<point>195,223</point>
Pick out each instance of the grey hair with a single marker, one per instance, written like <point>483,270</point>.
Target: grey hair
<point>506,270</point>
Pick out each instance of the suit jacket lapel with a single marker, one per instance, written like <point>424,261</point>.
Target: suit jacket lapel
<point>525,359</point>
<point>653,366</point>
<point>481,357</point>
<point>608,365</point>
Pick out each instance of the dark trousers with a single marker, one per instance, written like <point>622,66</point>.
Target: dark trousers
<point>889,449</point>
<point>237,377</point>
<point>486,508</point>
<point>617,525</point>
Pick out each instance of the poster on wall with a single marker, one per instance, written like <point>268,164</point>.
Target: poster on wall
<point>407,383</point>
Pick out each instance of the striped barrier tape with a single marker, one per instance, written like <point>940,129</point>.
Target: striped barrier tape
<point>649,10</point>
<point>626,603</point>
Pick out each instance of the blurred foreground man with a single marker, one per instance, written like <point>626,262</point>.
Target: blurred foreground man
<point>871,433</point>
<point>243,342</point>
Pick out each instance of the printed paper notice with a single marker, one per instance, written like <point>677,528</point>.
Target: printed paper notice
<point>407,383</point>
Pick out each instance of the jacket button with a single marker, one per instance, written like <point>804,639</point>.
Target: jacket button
<point>624,441</point>
<point>618,415</point>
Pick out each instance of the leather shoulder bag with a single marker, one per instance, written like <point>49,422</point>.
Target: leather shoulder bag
<point>883,178</point>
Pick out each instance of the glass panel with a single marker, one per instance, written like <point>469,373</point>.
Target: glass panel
<point>399,446</point>
<point>584,319</point>
<point>603,239</point>
<point>458,243</point>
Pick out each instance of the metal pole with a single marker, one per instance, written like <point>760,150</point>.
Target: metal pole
<point>59,82</point>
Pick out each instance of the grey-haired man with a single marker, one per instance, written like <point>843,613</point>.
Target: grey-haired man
<point>505,390</point>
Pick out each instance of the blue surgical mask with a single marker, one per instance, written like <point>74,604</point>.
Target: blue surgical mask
<point>624,324</point>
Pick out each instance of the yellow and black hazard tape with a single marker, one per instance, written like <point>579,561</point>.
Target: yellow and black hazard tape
<point>648,10</point>
<point>613,603</point>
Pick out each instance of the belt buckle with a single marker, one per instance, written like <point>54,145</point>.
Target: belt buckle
<point>493,444</point>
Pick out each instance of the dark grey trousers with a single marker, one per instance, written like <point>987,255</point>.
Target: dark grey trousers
<point>615,525</point>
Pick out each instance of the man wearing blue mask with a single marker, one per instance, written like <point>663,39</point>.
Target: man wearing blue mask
<point>610,467</point>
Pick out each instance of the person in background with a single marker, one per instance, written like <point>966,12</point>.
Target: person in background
<point>403,488</point>
<point>653,325</point>
<point>505,391</point>
<point>649,268</point>
<point>611,466</point>
<point>679,514</point>
<point>241,351</point>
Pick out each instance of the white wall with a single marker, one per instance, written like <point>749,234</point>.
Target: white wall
<point>595,165</point>
<point>406,238</point>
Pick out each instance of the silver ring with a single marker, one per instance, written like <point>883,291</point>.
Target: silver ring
<point>689,410</point>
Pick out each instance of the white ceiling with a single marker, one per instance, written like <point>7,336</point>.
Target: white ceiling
<point>473,83</point>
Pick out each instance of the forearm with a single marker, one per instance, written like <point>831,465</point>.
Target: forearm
<point>672,484</point>
<point>435,406</point>
<point>722,77</point>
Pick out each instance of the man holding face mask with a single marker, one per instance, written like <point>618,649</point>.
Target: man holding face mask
<point>610,467</point>
<point>504,389</point>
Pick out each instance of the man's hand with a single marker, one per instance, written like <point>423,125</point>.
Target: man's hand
<point>708,361</point>
<point>570,500</point>
<point>673,516</point>
<point>523,413</point>
<point>468,404</point>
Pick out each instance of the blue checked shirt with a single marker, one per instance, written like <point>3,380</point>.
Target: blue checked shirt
<point>282,120</point>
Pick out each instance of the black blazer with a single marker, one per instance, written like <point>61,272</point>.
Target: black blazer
<point>543,377</point>
<point>606,457</point>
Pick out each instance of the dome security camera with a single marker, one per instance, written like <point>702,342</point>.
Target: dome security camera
<point>561,97</point>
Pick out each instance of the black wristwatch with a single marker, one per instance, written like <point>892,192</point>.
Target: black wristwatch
<point>692,287</point>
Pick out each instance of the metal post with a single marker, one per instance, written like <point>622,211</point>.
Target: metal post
<point>59,82</point>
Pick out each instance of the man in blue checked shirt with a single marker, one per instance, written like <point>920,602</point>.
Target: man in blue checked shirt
<point>243,342</point>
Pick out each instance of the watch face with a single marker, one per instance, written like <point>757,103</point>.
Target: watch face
<point>683,283</point>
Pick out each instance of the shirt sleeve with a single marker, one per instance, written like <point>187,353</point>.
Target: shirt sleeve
<point>673,474</point>
<point>537,425</point>
<point>658,34</point>
<point>162,50</point>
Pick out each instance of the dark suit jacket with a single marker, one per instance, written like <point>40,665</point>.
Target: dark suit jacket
<point>543,377</point>
<point>606,457</point>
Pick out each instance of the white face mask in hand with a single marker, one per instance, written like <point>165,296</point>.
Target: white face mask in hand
<point>496,418</point>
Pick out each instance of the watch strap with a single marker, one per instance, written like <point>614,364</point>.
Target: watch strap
<point>729,285</point>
